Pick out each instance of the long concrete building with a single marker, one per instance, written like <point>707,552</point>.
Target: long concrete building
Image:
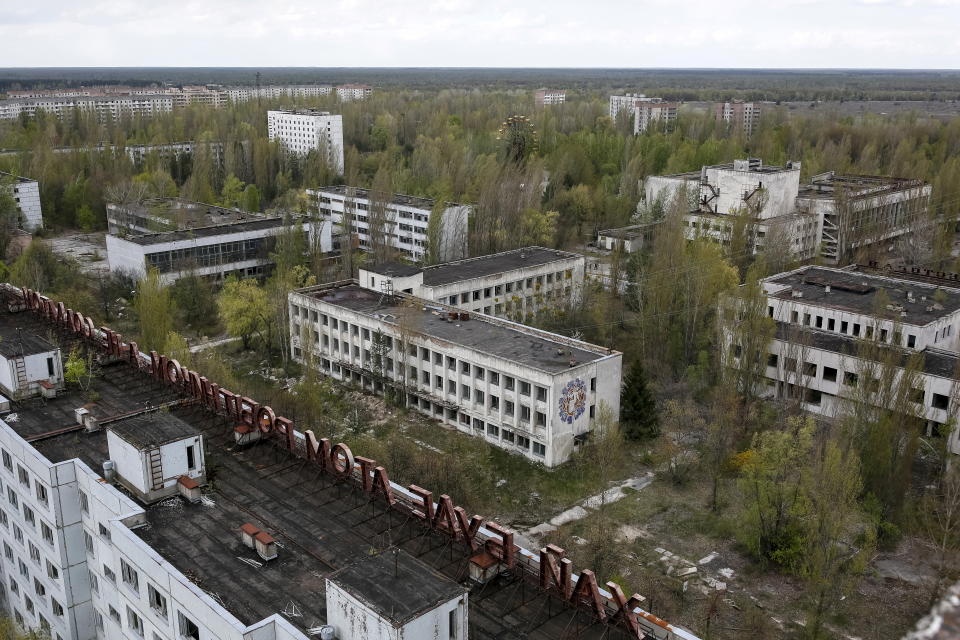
<point>511,284</point>
<point>830,333</point>
<point>403,223</point>
<point>177,238</point>
<point>833,217</point>
<point>112,102</point>
<point>528,391</point>
<point>26,194</point>
<point>112,529</point>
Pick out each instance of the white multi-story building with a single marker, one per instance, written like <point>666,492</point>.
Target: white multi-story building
<point>831,328</point>
<point>351,92</point>
<point>405,221</point>
<point>528,391</point>
<point>833,216</point>
<point>547,97</point>
<point>26,193</point>
<point>178,238</point>
<point>106,108</point>
<point>510,284</point>
<point>245,94</point>
<point>766,195</point>
<point>647,115</point>
<point>739,115</point>
<point>304,130</point>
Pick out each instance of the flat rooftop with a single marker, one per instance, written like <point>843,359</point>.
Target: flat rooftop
<point>830,185</point>
<point>378,579</point>
<point>14,342</point>
<point>493,264</point>
<point>483,333</point>
<point>153,429</point>
<point>629,231</point>
<point>15,177</point>
<point>857,292</point>
<point>301,112</point>
<point>181,214</point>
<point>395,198</point>
<point>323,526</point>
<point>258,224</point>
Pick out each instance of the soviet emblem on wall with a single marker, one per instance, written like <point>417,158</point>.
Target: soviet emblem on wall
<point>573,400</point>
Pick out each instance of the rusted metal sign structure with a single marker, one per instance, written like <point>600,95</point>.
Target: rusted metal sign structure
<point>550,569</point>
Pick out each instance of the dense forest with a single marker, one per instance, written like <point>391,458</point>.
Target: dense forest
<point>807,500</point>
<point>675,84</point>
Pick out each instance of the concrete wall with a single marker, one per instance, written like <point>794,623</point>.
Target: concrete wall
<point>666,187</point>
<point>355,620</point>
<point>781,190</point>
<point>27,195</point>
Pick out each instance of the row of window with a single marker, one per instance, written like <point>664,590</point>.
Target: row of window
<point>851,379</point>
<point>855,329</point>
<point>532,283</point>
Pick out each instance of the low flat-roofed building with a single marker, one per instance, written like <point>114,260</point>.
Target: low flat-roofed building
<point>153,451</point>
<point>26,193</point>
<point>404,224</point>
<point>363,604</point>
<point>632,238</point>
<point>522,389</point>
<point>179,238</point>
<point>30,364</point>
<point>830,333</point>
<point>253,557</point>
<point>510,284</point>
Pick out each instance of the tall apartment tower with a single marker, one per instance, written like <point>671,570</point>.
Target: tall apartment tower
<point>304,130</point>
<point>645,110</point>
<point>742,116</point>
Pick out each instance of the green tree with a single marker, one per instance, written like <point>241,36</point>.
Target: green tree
<point>154,308</point>
<point>831,558</point>
<point>251,198</point>
<point>245,310</point>
<point>771,480</point>
<point>86,218</point>
<point>638,408</point>
<point>233,192</point>
<point>75,370</point>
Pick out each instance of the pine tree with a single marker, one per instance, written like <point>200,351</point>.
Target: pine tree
<point>638,410</point>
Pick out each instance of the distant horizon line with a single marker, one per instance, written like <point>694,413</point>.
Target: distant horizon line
<point>488,68</point>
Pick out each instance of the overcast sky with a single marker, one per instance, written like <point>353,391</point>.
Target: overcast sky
<point>481,33</point>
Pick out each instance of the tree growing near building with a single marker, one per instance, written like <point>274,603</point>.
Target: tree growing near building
<point>833,553</point>
<point>245,310</point>
<point>771,482</point>
<point>154,307</point>
<point>638,407</point>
